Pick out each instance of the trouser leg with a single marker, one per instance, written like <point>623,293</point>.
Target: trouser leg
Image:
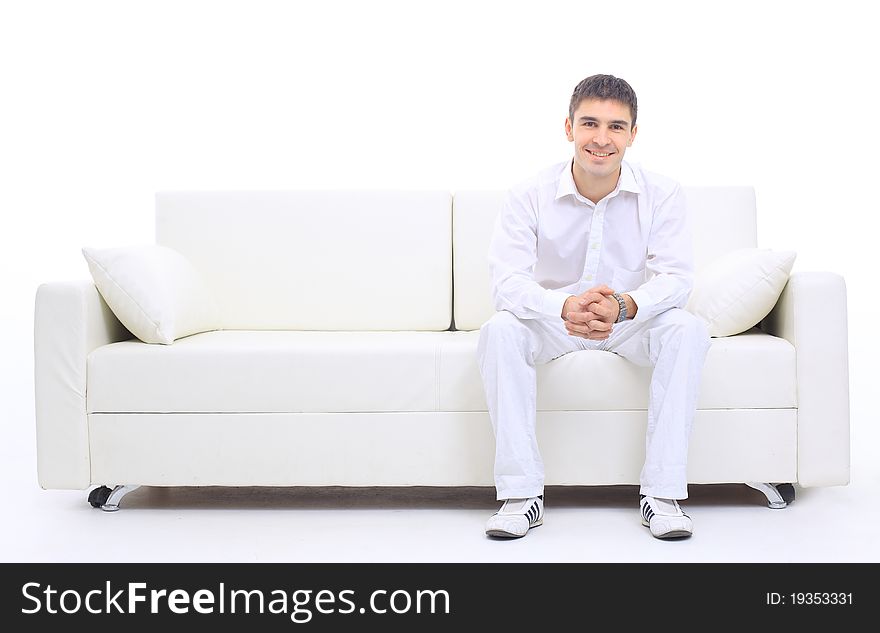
<point>508,350</point>
<point>675,343</point>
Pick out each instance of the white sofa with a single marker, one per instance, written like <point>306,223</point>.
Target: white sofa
<point>347,358</point>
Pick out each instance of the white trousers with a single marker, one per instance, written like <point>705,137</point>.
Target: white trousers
<point>674,343</point>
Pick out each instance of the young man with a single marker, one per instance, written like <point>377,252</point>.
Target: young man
<point>593,254</point>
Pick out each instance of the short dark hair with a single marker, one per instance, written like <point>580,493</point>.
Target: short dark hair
<point>604,87</point>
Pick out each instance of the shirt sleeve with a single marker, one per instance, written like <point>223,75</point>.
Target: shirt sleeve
<point>513,253</point>
<point>669,260</point>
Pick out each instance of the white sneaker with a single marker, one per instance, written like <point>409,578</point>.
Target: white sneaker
<point>516,517</point>
<point>665,518</point>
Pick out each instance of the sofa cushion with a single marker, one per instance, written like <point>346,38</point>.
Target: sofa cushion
<point>285,372</point>
<point>318,260</point>
<point>154,291</point>
<point>750,370</point>
<point>737,290</point>
<point>268,371</point>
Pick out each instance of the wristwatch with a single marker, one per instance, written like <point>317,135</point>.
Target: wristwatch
<point>622,304</point>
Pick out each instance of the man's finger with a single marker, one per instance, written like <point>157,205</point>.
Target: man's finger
<point>597,335</point>
<point>589,326</point>
<point>578,330</point>
<point>602,289</point>
<point>580,317</point>
<point>593,327</point>
<point>601,326</point>
<point>591,297</point>
<point>601,309</point>
<point>595,295</point>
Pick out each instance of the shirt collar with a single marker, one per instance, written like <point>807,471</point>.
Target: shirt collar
<point>626,182</point>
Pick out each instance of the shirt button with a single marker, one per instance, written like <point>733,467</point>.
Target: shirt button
<point>595,246</point>
<point>589,278</point>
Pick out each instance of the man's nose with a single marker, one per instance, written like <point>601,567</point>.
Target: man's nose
<point>601,137</point>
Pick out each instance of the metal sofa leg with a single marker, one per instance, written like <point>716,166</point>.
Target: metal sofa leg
<point>778,495</point>
<point>108,500</point>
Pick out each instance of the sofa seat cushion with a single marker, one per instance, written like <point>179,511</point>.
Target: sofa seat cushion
<point>288,372</point>
<point>752,370</point>
<point>268,371</point>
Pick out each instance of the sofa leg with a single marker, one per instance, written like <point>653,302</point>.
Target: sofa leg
<point>778,495</point>
<point>108,500</point>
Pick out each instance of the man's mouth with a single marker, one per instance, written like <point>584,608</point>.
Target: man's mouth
<point>599,154</point>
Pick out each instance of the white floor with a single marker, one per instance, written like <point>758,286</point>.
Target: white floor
<point>732,524</point>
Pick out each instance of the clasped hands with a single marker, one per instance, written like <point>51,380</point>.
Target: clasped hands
<point>590,315</point>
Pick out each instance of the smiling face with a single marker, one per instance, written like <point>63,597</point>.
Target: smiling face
<point>601,130</point>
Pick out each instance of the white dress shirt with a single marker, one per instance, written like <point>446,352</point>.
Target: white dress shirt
<point>550,242</point>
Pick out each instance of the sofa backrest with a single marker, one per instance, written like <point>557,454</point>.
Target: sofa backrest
<point>721,218</point>
<point>374,260</point>
<point>318,260</point>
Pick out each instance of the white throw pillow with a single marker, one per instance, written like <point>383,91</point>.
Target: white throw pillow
<point>154,291</point>
<point>734,292</point>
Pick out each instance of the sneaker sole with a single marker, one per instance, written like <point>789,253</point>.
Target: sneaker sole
<point>505,534</point>
<point>672,534</point>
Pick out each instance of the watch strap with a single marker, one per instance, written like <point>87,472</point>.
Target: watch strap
<point>622,304</point>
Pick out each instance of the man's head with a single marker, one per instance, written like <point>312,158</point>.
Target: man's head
<point>604,87</point>
<point>602,124</point>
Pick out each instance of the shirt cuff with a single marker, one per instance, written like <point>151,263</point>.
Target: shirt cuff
<point>553,302</point>
<point>643,303</point>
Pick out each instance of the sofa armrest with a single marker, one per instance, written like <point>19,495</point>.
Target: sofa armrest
<point>811,315</point>
<point>70,320</point>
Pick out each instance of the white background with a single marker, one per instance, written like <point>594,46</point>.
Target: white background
<point>105,103</point>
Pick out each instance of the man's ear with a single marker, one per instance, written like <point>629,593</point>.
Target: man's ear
<point>568,129</point>
<point>633,137</point>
